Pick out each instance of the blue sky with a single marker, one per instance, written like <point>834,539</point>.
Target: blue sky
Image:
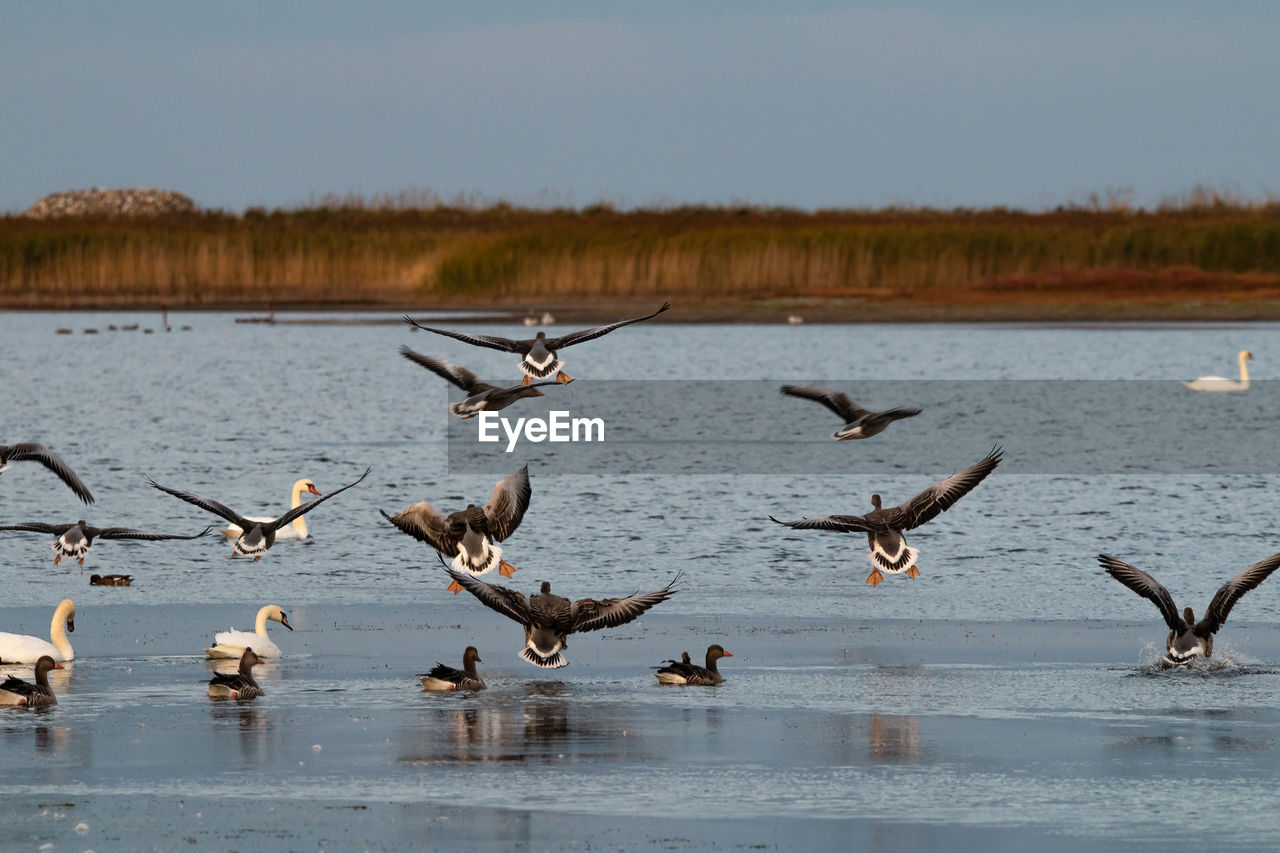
<point>808,104</point>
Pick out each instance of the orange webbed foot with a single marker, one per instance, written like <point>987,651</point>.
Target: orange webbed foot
<point>80,560</point>
<point>57,559</point>
<point>257,558</point>
<point>875,577</point>
<point>455,587</point>
<point>506,569</point>
<point>527,379</point>
<point>563,378</point>
<point>913,572</point>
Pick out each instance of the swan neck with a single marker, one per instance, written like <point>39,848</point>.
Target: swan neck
<point>1244,370</point>
<point>260,626</point>
<point>58,629</point>
<point>299,523</point>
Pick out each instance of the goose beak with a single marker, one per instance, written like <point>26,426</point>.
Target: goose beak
<point>728,654</point>
<point>58,666</point>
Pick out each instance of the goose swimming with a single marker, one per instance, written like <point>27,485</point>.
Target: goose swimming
<point>443,677</point>
<point>15,691</point>
<point>481,396</point>
<point>468,535</point>
<point>1189,639</point>
<point>539,358</point>
<point>858,422</point>
<point>74,540</point>
<point>237,685</point>
<point>24,648</point>
<point>258,536</point>
<point>549,619</point>
<point>296,529</point>
<point>31,452</point>
<point>232,643</point>
<point>685,672</point>
<point>885,527</point>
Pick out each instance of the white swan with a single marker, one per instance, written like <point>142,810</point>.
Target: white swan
<point>23,648</point>
<point>1221,383</point>
<point>297,530</point>
<point>232,643</point>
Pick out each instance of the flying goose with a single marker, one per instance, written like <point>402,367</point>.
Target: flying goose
<point>232,643</point>
<point>1189,639</point>
<point>688,673</point>
<point>481,396</point>
<point>237,685</point>
<point>257,536</point>
<point>468,535</point>
<point>885,527</point>
<point>548,619</point>
<point>443,677</point>
<point>15,691</point>
<point>539,357</point>
<point>858,422</point>
<point>30,452</point>
<point>74,540</point>
<point>296,529</point>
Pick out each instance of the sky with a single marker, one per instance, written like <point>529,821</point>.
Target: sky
<point>969,103</point>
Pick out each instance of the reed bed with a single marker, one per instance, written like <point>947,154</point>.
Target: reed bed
<point>464,255</point>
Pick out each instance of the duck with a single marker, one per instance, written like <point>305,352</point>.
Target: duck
<point>443,677</point>
<point>885,527</point>
<point>237,685</point>
<point>15,691</point>
<point>468,535</point>
<point>1221,383</point>
<point>539,355</point>
<point>232,643</point>
<point>549,619</point>
<point>32,452</point>
<point>1189,639</point>
<point>74,540</point>
<point>688,673</point>
<point>24,648</point>
<point>110,580</point>
<point>858,422</point>
<point>297,529</point>
<point>481,396</point>
<point>258,536</point>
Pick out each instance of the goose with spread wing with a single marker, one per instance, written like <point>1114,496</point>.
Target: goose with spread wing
<point>74,540</point>
<point>886,527</point>
<point>858,422</point>
<point>15,691</point>
<point>1189,639</point>
<point>481,396</point>
<point>31,452</point>
<point>468,535</point>
<point>256,537</point>
<point>539,355</point>
<point>549,619</point>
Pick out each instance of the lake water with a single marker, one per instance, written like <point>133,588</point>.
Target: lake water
<point>1003,699</point>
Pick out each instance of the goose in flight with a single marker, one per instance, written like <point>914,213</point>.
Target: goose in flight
<point>30,452</point>
<point>74,540</point>
<point>858,422</point>
<point>481,396</point>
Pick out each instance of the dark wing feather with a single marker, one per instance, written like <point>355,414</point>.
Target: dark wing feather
<point>31,452</point>
<point>942,495</point>
<point>508,503</point>
<point>310,505</point>
<point>837,523</point>
<point>208,506</point>
<point>492,342</point>
<point>1147,587</point>
<point>38,527</point>
<point>508,602</point>
<point>1229,593</point>
<point>425,523</point>
<point>572,338</point>
<point>897,413</point>
<point>455,373</point>
<point>591,615</point>
<point>837,402</point>
<point>127,533</point>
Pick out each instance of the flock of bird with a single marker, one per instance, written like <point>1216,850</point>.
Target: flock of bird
<point>470,537</point>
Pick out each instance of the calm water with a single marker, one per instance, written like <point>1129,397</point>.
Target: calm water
<point>1005,695</point>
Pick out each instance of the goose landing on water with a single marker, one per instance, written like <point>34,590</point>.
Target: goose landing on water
<point>74,540</point>
<point>481,396</point>
<point>296,529</point>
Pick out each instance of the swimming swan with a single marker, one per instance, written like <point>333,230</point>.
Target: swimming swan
<point>1221,383</point>
<point>23,648</point>
<point>231,644</point>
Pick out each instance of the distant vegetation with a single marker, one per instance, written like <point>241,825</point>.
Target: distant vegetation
<point>421,251</point>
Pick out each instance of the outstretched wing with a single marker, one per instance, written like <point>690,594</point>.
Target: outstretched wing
<point>572,338</point>
<point>492,342</point>
<point>457,374</point>
<point>310,505</point>
<point>591,615</point>
<point>897,413</point>
<point>1229,593</point>
<point>425,523</point>
<point>127,533</point>
<point>508,602</point>
<point>507,504</point>
<point>837,523</point>
<point>38,527</point>
<point>836,401</point>
<point>1148,587</point>
<point>207,505</point>
<point>31,452</point>
<point>941,495</point>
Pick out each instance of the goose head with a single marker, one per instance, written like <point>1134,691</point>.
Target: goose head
<point>470,658</point>
<point>875,501</point>
<point>43,666</point>
<point>714,653</point>
<point>546,587</point>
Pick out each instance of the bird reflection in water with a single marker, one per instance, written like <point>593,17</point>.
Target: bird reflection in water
<point>50,738</point>
<point>253,726</point>
<point>893,738</point>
